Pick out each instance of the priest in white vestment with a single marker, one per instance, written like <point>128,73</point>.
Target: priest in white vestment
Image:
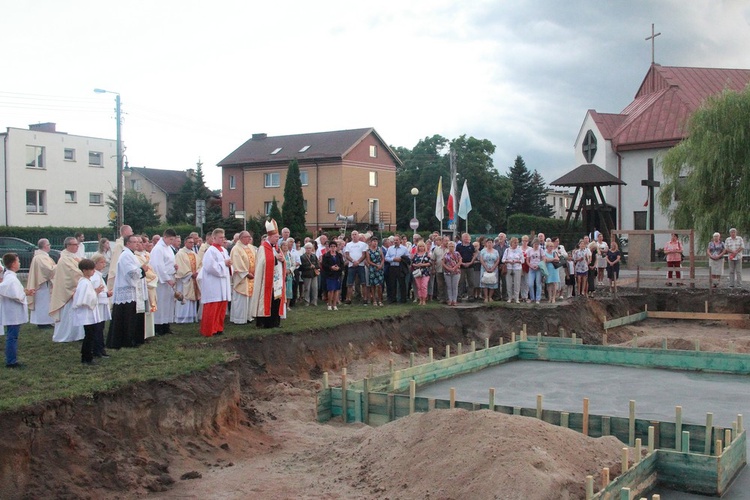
<point>215,282</point>
<point>125,231</point>
<point>186,282</point>
<point>162,262</point>
<point>129,299</point>
<point>41,272</point>
<point>243,272</point>
<point>64,285</point>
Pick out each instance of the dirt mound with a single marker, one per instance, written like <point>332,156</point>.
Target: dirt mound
<point>482,454</point>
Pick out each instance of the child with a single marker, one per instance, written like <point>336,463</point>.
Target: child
<point>85,310</point>
<point>103,305</point>
<point>13,309</point>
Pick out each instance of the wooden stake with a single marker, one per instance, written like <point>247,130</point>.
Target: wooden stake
<point>606,426</point>
<point>430,355</point>
<point>740,425</point>
<point>492,399</point>
<point>605,477</point>
<point>447,351</point>
<point>677,428</point>
<point>625,466</point>
<point>734,429</point>
<point>604,339</point>
<point>516,410</point>
<point>473,346</point>
<point>697,344</point>
<point>631,424</point>
<point>709,433</point>
<point>343,394</point>
<point>638,451</point>
<point>706,307</point>
<point>585,429</point>
<point>524,338</point>
<point>325,380</point>
<point>573,338</point>
<point>412,395</point>
<point>589,487</point>
<point>650,439</point>
<point>371,371</point>
<point>719,448</point>
<point>502,340</point>
<point>727,437</point>
<point>523,329</point>
<point>656,497</point>
<point>411,360</point>
<point>539,337</point>
<point>459,349</point>
<point>512,336</point>
<point>561,332</point>
<point>453,398</point>
<point>366,400</point>
<point>565,419</point>
<point>487,343</point>
<point>390,366</point>
<point>685,442</point>
<point>539,406</point>
<point>635,340</point>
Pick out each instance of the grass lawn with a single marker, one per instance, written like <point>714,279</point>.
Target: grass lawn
<point>54,370</point>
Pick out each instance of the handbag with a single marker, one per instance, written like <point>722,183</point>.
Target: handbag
<point>417,273</point>
<point>489,279</point>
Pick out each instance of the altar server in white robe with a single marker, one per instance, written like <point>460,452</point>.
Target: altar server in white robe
<point>41,272</point>
<point>162,262</point>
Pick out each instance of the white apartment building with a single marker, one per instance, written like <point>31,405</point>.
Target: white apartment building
<point>559,200</point>
<point>51,178</point>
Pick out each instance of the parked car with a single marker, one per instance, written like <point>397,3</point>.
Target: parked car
<point>90,248</point>
<point>24,249</point>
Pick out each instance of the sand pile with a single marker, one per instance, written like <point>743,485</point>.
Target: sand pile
<point>460,454</point>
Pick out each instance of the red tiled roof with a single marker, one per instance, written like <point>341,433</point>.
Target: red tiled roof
<point>169,181</point>
<point>607,122</point>
<point>313,146</point>
<point>663,104</point>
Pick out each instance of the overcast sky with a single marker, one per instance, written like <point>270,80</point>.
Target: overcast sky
<point>198,78</point>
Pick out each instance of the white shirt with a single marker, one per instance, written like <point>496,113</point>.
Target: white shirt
<point>81,252</point>
<point>85,302</point>
<point>355,250</point>
<point>127,278</point>
<point>13,308</point>
<point>214,278</point>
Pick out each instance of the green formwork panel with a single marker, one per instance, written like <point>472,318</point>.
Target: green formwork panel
<point>731,462</point>
<point>639,478</point>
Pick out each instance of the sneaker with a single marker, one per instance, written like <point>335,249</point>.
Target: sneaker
<point>518,301</point>
<point>330,308</point>
<point>510,300</point>
<point>335,308</point>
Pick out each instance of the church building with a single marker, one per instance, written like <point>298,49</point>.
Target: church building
<point>631,144</point>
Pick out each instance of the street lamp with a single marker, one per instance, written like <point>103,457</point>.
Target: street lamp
<point>120,201</point>
<point>414,224</point>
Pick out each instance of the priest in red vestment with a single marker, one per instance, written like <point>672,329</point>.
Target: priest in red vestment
<point>216,289</point>
<point>268,304</point>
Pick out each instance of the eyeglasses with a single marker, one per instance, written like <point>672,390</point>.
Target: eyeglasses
<point>72,244</point>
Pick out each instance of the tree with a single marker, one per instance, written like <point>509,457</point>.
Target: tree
<point>184,204</point>
<point>293,208</point>
<point>522,200</point>
<point>138,210</point>
<point>275,213</point>
<point>707,176</point>
<point>538,196</point>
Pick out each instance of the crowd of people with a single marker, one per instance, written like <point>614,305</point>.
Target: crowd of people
<point>142,285</point>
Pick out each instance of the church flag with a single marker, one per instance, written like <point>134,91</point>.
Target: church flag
<point>452,202</point>
<point>440,203</point>
<point>464,206</point>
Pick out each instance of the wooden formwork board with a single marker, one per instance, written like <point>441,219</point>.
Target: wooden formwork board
<point>640,478</point>
<point>704,316</point>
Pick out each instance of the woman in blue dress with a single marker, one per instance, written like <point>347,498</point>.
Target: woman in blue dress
<point>490,259</point>
<point>375,274</point>
<point>553,278</point>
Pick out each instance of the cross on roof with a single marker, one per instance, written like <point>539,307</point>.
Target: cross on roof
<point>653,39</point>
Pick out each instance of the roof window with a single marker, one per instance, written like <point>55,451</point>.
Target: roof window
<point>304,148</point>
<point>275,151</point>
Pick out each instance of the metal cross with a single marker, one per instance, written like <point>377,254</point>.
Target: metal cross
<point>653,39</point>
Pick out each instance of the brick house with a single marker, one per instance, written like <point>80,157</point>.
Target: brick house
<point>346,173</point>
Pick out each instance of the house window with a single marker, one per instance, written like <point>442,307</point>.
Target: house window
<point>232,207</point>
<point>331,205</point>
<point>70,154</point>
<point>36,201</point>
<point>267,207</point>
<point>272,180</point>
<point>304,178</point>
<point>304,148</point>
<point>70,197</point>
<point>232,183</point>
<point>373,179</point>
<point>96,199</point>
<point>135,184</point>
<point>35,156</point>
<point>96,159</point>
<point>304,204</point>
<point>275,151</point>
<point>373,151</point>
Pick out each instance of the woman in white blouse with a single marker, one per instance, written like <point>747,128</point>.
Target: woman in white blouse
<point>513,259</point>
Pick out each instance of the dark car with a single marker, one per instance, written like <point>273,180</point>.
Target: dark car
<point>24,249</point>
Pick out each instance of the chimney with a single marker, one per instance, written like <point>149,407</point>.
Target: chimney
<point>259,137</point>
<point>43,127</point>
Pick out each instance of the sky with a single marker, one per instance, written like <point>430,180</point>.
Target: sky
<point>197,79</point>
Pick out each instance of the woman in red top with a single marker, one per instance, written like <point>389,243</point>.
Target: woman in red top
<point>673,251</point>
